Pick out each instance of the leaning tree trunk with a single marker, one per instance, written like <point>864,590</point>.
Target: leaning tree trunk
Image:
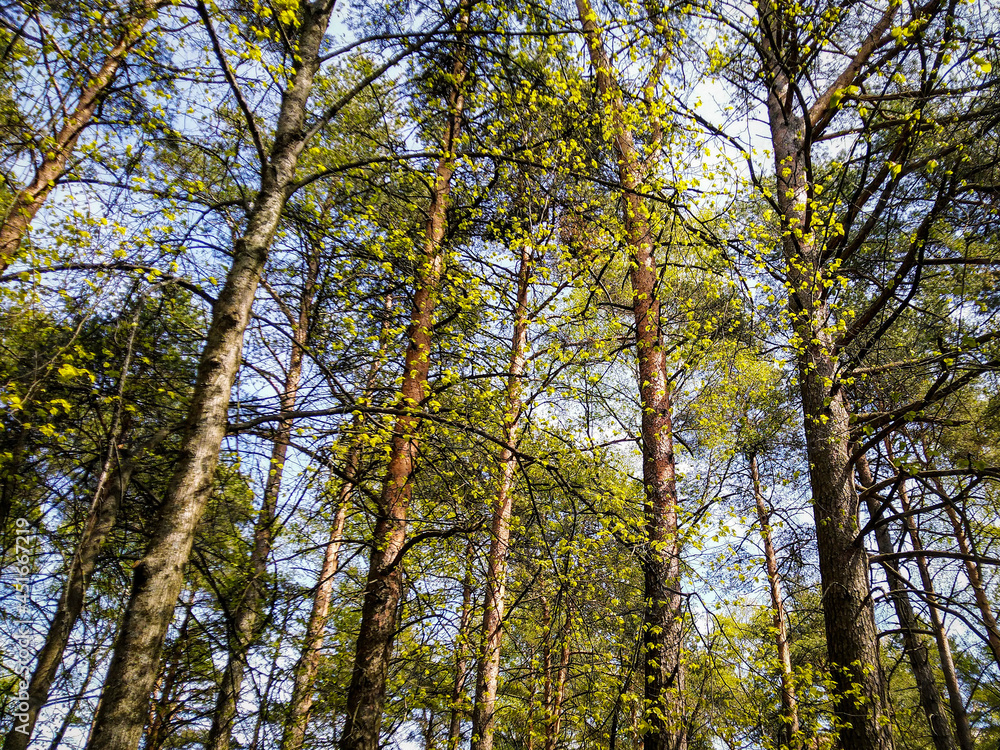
<point>100,520</point>
<point>384,585</point>
<point>916,650</point>
<point>663,614</point>
<point>159,575</point>
<point>29,200</point>
<point>790,734</point>
<point>247,616</point>
<point>860,699</point>
<point>162,711</point>
<point>307,667</point>
<point>491,638</point>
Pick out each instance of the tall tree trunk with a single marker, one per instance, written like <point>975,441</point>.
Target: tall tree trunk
<point>101,519</point>
<point>966,548</point>
<point>663,620</point>
<point>384,585</point>
<point>52,167</point>
<point>553,720</point>
<point>491,638</point>
<point>159,575</point>
<point>462,651</point>
<point>955,697</point>
<point>790,733</point>
<point>102,515</point>
<point>860,699</point>
<point>972,572</point>
<point>162,711</point>
<point>247,616</point>
<point>914,646</point>
<point>307,667</point>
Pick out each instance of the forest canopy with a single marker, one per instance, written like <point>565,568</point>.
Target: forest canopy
<point>500,376</point>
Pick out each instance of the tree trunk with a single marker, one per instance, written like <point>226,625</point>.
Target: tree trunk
<point>860,701</point>
<point>553,720</point>
<point>914,646</point>
<point>663,616</point>
<point>243,629</point>
<point>163,709</point>
<point>383,589</point>
<point>462,651</point>
<point>307,666</point>
<point>491,638</point>
<point>159,575</point>
<point>955,697</point>
<point>29,200</point>
<point>972,573</point>
<point>789,737</point>
<point>101,519</point>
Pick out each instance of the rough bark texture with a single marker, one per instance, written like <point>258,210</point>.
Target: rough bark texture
<point>159,575</point>
<point>247,615</point>
<point>916,650</point>
<point>52,167</point>
<point>491,639</point>
<point>860,703</point>
<point>383,588</point>
<point>663,617</point>
<point>790,736</point>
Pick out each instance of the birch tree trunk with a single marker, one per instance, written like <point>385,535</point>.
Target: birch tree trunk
<point>159,575</point>
<point>914,646</point>
<point>29,199</point>
<point>383,589</point>
<point>247,615</point>
<point>491,638</point>
<point>663,616</point>
<point>790,733</point>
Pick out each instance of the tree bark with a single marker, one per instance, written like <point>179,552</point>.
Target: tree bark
<point>914,646</point>
<point>972,573</point>
<point>163,709</point>
<point>29,200</point>
<point>159,575</point>
<point>790,733</point>
<point>247,616</point>
<point>663,618</point>
<point>491,638</point>
<point>384,585</point>
<point>860,701</point>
